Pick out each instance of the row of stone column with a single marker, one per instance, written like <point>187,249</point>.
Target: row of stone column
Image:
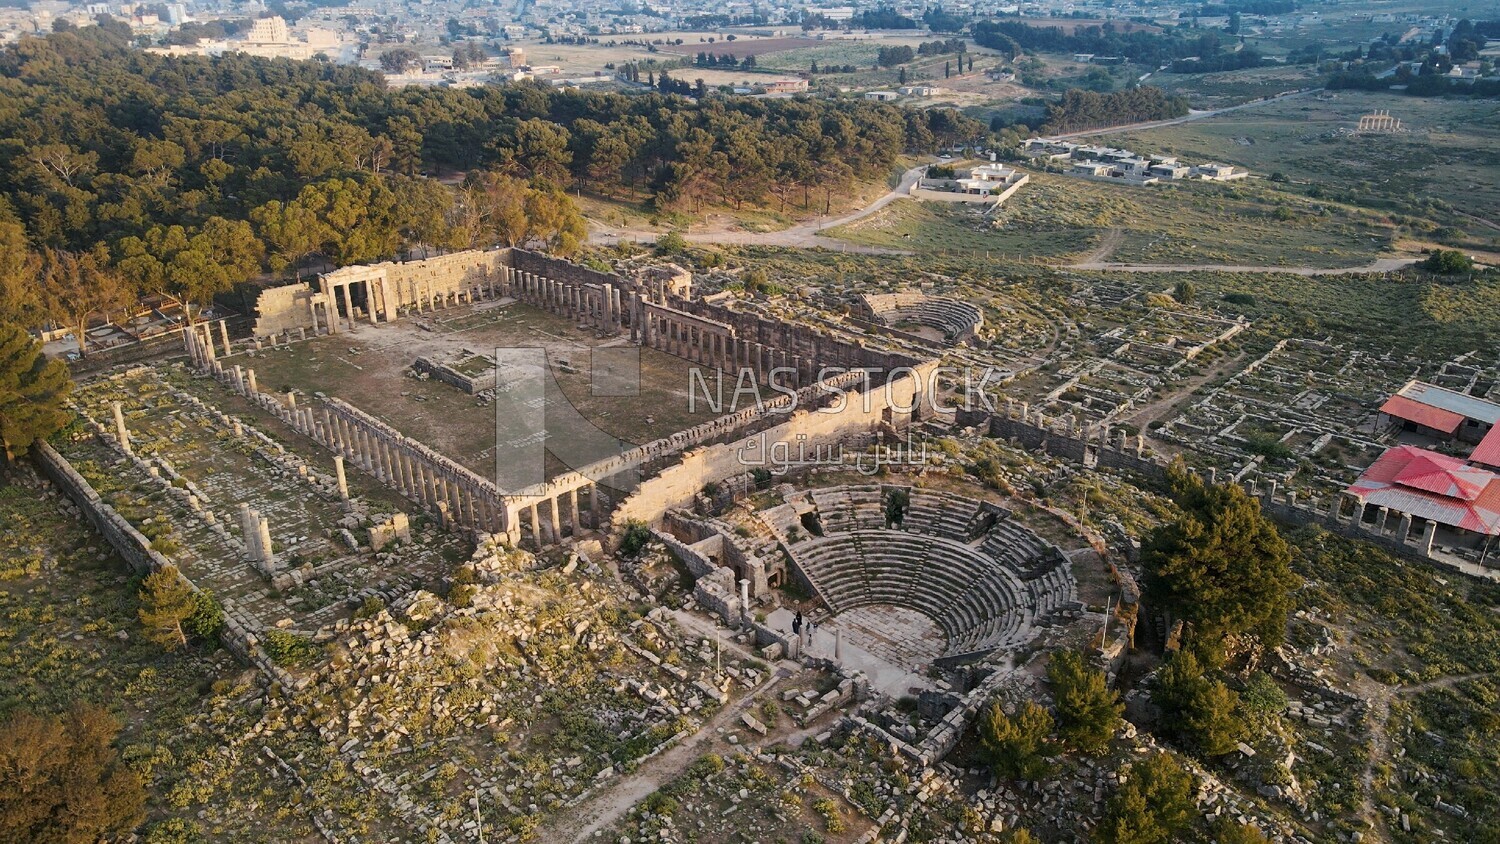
<point>1377,526</point>
<point>541,522</point>
<point>598,305</point>
<point>256,530</point>
<point>421,297</point>
<point>453,498</point>
<point>724,351</point>
<point>198,340</point>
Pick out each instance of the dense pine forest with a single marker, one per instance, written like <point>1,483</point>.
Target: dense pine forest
<point>186,175</point>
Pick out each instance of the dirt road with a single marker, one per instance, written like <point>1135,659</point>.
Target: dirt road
<point>803,235</point>
<point>1382,265</point>
<point>615,799</point>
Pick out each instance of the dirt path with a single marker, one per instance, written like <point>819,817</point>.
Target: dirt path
<point>1159,406</point>
<point>617,796</point>
<point>806,235</point>
<point>1382,265</point>
<point>1379,696</point>
<point>1113,237</point>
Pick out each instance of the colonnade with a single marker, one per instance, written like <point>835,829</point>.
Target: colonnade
<point>198,339</point>
<point>548,518</point>
<point>598,305</point>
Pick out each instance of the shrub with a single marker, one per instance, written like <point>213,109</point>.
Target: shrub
<point>371,607</point>
<point>289,649</point>
<point>671,243</point>
<point>1447,262</point>
<point>207,618</point>
<point>1088,711</point>
<point>637,534</point>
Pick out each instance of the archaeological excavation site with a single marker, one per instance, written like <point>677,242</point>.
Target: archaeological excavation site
<point>515,549</point>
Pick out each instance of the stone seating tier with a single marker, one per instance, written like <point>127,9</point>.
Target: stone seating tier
<point>974,600</point>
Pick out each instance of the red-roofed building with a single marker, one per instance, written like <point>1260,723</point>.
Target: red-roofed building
<point>1441,413</point>
<point>1488,450</point>
<point>1431,492</point>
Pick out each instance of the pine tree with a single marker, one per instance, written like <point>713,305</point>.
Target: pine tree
<point>1221,567</point>
<point>32,392</point>
<point>1017,748</point>
<point>1154,804</point>
<point>1197,709</point>
<point>1088,711</point>
<point>166,602</point>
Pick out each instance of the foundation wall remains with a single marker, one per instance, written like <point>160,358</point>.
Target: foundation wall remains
<point>136,550</point>
<point>281,310</point>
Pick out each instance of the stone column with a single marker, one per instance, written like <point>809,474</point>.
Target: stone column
<point>573,511</point>
<point>1403,529</point>
<point>338,473</point>
<point>1380,520</point>
<point>250,528</point>
<point>1428,537</point>
<point>224,335</point>
<point>556,521</point>
<point>371,288</point>
<point>267,555</point>
<point>121,433</point>
<point>531,513</point>
<point>745,600</point>
<point>348,304</point>
<point>250,381</point>
<point>596,506</point>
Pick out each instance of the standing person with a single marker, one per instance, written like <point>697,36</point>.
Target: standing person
<point>797,623</point>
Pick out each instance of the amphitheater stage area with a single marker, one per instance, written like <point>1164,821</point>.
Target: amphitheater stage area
<point>893,646</point>
<point>369,367</point>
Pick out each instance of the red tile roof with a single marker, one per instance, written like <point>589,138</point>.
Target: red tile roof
<point>1433,486</point>
<point>1425,415</point>
<point>1488,450</point>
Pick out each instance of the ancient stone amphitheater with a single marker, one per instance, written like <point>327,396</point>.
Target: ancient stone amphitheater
<point>956,319</point>
<point>982,578</point>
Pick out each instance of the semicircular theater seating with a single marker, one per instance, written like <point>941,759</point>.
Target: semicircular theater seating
<point>957,319</point>
<point>982,578</point>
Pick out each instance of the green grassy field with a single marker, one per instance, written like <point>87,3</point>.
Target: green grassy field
<point>954,228</point>
<point>1443,173</point>
<point>1062,219</point>
<point>1198,223</point>
<point>1216,90</point>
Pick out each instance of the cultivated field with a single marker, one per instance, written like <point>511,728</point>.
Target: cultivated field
<point>1445,169</point>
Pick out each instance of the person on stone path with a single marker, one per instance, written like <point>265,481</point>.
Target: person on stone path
<point>797,623</point>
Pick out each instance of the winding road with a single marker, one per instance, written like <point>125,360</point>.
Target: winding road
<point>1382,265</point>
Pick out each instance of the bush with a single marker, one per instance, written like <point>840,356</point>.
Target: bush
<point>1448,262</point>
<point>1197,709</point>
<point>1017,748</point>
<point>1088,711</point>
<point>289,649</point>
<point>671,243</point>
<point>207,618</point>
<point>371,607</point>
<point>637,534</point>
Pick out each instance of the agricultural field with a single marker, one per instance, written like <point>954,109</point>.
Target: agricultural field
<point>1439,179</point>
